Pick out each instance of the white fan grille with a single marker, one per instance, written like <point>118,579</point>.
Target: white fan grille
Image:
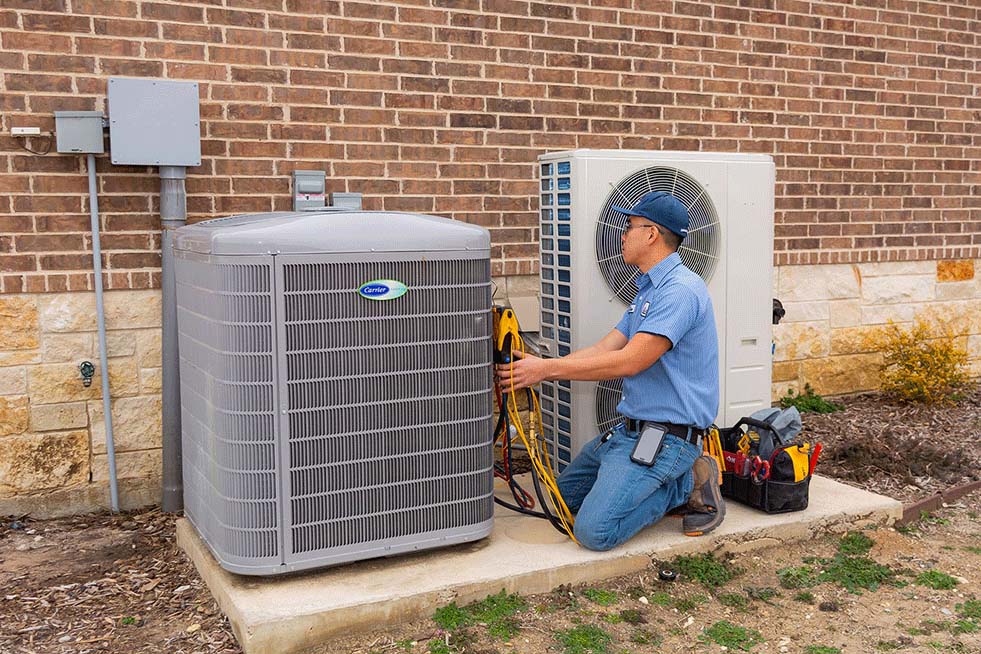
<point>700,249</point>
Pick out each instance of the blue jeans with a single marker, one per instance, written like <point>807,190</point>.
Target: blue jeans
<point>614,498</point>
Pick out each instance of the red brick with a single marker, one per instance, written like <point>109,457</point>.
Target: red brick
<point>17,263</point>
<point>126,28</point>
<point>32,41</point>
<point>236,18</point>
<point>132,67</point>
<point>56,23</point>
<point>200,33</point>
<point>122,8</point>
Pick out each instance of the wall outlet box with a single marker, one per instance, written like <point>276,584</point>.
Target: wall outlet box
<point>25,131</point>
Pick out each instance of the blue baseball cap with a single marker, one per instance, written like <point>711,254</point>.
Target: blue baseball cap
<point>662,208</point>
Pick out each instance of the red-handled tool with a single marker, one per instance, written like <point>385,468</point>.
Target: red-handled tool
<point>760,471</point>
<point>814,457</point>
<point>739,464</point>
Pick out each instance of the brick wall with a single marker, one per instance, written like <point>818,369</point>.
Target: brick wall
<point>442,106</point>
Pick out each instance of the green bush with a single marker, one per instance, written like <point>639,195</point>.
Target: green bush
<point>808,402</point>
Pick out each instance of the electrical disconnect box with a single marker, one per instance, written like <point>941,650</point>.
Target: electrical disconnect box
<point>309,189</point>
<point>79,132</point>
<point>154,122</point>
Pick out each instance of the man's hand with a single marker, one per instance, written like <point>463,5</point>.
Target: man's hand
<point>526,370</point>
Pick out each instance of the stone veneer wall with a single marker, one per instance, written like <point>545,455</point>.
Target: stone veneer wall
<point>52,438</point>
<point>831,309</point>
<point>52,433</point>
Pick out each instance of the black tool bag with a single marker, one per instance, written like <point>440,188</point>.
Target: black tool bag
<point>786,486</point>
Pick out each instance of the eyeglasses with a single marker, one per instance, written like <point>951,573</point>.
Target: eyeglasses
<point>633,225</point>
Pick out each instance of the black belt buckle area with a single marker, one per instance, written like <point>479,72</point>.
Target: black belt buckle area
<point>684,432</point>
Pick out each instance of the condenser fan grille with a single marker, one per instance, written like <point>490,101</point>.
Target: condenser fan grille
<point>608,395</point>
<point>699,250</point>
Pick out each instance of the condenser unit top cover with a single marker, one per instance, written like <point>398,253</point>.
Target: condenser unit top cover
<point>330,232</point>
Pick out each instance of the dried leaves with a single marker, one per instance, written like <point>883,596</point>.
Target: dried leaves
<point>104,583</point>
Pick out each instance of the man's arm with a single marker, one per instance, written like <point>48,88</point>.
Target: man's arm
<point>638,354</point>
<point>613,341</point>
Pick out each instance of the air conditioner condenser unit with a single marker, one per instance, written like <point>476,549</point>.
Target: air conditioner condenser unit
<point>336,386</point>
<point>586,285</point>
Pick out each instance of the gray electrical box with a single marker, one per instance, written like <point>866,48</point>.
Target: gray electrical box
<point>154,122</point>
<point>79,132</point>
<point>351,201</point>
<point>309,189</point>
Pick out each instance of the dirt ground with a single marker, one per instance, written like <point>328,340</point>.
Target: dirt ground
<point>672,617</point>
<point>118,583</point>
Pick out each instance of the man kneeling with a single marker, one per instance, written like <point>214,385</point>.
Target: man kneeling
<point>666,350</point>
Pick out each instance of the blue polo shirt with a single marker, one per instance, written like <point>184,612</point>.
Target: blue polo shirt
<point>682,387</point>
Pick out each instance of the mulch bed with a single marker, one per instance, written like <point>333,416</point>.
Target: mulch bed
<point>103,583</point>
<point>905,451</point>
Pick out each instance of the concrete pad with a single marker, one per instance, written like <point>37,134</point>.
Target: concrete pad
<point>523,555</point>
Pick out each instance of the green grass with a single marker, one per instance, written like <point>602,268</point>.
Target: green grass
<point>808,402</point>
<point>660,599</point>
<point>804,597</point>
<point>705,569</point>
<point>584,639</point>
<point>632,616</point>
<point>887,645</point>
<point>731,636</point>
<point>128,620</point>
<point>855,543</point>
<point>601,597</point>
<point>687,604</point>
<point>764,594</point>
<point>612,618</point>
<point>645,637</point>
<point>821,649</point>
<point>857,572</point>
<point>964,627</point>
<point>437,646</point>
<point>636,592</point>
<point>936,580</point>
<point>972,549</point>
<point>925,516</point>
<point>969,609</point>
<point>735,600</point>
<point>803,576</point>
<point>496,611</point>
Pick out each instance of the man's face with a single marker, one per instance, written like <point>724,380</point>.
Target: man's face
<point>636,238</point>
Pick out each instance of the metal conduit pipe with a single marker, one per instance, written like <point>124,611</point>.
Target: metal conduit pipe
<point>173,214</point>
<point>101,317</point>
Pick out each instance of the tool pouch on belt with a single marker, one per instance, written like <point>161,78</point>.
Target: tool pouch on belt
<point>776,480</point>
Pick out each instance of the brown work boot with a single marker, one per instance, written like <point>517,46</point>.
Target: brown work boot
<point>705,502</point>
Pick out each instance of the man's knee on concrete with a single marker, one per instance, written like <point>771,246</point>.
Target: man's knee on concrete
<point>595,534</point>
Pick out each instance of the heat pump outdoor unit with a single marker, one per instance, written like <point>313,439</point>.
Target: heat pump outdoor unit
<point>336,386</point>
<point>586,286</point>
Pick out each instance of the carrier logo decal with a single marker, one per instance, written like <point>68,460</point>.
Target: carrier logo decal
<point>382,289</point>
